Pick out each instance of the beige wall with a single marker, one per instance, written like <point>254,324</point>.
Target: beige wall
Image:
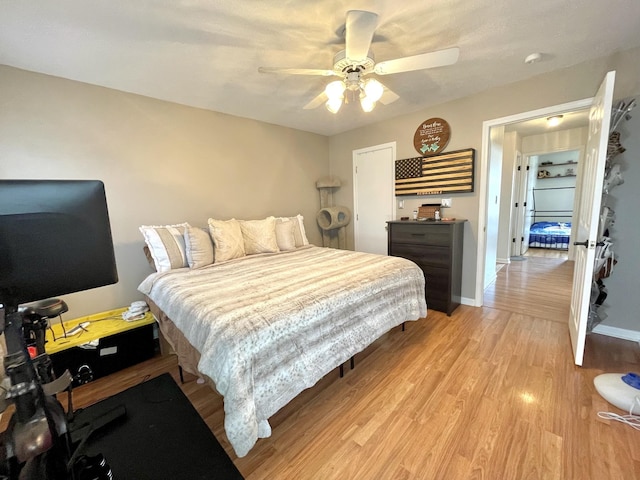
<point>160,162</point>
<point>466,117</point>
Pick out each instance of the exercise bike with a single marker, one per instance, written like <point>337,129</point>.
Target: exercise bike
<point>39,442</point>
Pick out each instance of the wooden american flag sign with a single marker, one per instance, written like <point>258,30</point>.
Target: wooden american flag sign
<point>450,172</point>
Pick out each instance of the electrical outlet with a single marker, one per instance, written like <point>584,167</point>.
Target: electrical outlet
<point>446,202</point>
<point>400,203</point>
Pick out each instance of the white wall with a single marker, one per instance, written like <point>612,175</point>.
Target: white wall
<point>494,178</point>
<point>507,192</point>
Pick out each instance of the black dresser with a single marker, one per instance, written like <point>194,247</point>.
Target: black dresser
<point>436,247</point>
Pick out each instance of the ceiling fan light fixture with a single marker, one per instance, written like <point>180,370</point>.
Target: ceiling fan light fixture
<point>335,90</point>
<point>373,89</point>
<point>367,104</point>
<point>334,104</point>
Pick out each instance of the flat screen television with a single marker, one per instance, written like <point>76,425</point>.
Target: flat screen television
<point>55,239</point>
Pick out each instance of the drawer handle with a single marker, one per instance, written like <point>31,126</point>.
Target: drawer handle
<point>417,234</point>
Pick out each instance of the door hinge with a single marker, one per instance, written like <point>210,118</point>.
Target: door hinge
<point>527,168</point>
<point>516,204</point>
<point>524,204</point>
<point>519,168</point>
<point>513,240</point>
<point>522,239</point>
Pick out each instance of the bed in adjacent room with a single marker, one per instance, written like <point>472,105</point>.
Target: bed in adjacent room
<point>552,235</point>
<point>265,326</point>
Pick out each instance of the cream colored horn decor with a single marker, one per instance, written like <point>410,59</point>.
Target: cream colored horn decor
<point>332,219</point>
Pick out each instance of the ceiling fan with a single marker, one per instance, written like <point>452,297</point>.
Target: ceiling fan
<point>356,62</point>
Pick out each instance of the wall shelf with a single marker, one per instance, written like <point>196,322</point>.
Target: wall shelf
<point>555,176</point>
<point>556,164</point>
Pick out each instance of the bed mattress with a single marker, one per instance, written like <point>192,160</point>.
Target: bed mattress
<point>555,235</point>
<point>271,325</point>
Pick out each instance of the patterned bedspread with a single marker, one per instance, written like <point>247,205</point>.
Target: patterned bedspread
<point>269,326</point>
<point>555,235</point>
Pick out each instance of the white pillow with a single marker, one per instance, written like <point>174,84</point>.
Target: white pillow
<point>227,239</point>
<point>259,235</point>
<point>199,247</point>
<point>284,234</point>
<point>166,245</point>
<point>298,229</point>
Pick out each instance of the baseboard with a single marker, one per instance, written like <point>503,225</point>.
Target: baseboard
<point>616,332</point>
<point>503,260</point>
<point>471,302</point>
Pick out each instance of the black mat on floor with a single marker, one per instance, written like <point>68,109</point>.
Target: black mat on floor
<point>161,436</point>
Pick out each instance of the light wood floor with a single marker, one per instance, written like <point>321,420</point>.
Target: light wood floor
<point>488,393</point>
<point>546,252</point>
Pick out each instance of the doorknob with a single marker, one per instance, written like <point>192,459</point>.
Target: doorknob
<point>586,243</point>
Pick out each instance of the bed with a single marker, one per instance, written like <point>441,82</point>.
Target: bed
<point>552,235</point>
<point>264,327</point>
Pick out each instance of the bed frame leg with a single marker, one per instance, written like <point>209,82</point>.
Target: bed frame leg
<point>181,374</point>
<point>403,326</point>
<point>352,362</point>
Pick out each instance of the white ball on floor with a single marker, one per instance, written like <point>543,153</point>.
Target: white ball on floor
<point>200,380</point>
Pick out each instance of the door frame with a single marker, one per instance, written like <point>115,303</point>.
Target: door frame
<point>580,150</point>
<point>484,170</point>
<point>391,193</point>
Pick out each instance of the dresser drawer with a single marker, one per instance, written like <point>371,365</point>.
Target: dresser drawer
<point>427,234</point>
<point>438,288</point>
<point>436,256</point>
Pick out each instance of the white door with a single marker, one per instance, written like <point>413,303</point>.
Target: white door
<point>589,213</point>
<point>530,171</point>
<point>516,206</point>
<point>373,196</point>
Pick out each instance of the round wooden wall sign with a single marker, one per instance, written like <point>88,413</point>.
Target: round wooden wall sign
<point>432,136</point>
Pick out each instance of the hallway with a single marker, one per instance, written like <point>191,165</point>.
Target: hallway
<point>539,286</point>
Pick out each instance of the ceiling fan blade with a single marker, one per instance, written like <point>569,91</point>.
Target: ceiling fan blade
<point>316,102</point>
<point>439,58</point>
<point>388,96</point>
<point>297,71</point>
<point>359,30</point>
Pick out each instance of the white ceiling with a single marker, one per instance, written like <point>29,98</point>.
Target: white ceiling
<point>207,53</point>
<point>539,125</point>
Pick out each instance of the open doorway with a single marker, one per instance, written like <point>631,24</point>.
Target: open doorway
<point>540,165</point>
<point>502,165</point>
<point>544,226</point>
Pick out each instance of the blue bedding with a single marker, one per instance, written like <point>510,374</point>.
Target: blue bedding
<point>550,235</point>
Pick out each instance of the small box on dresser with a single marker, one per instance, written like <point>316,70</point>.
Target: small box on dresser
<point>436,247</point>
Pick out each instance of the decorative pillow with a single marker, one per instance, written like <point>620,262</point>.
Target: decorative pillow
<point>199,247</point>
<point>166,245</point>
<point>284,234</point>
<point>259,235</point>
<point>298,229</point>
<point>227,239</point>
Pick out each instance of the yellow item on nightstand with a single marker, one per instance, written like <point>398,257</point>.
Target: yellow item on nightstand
<point>100,325</point>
